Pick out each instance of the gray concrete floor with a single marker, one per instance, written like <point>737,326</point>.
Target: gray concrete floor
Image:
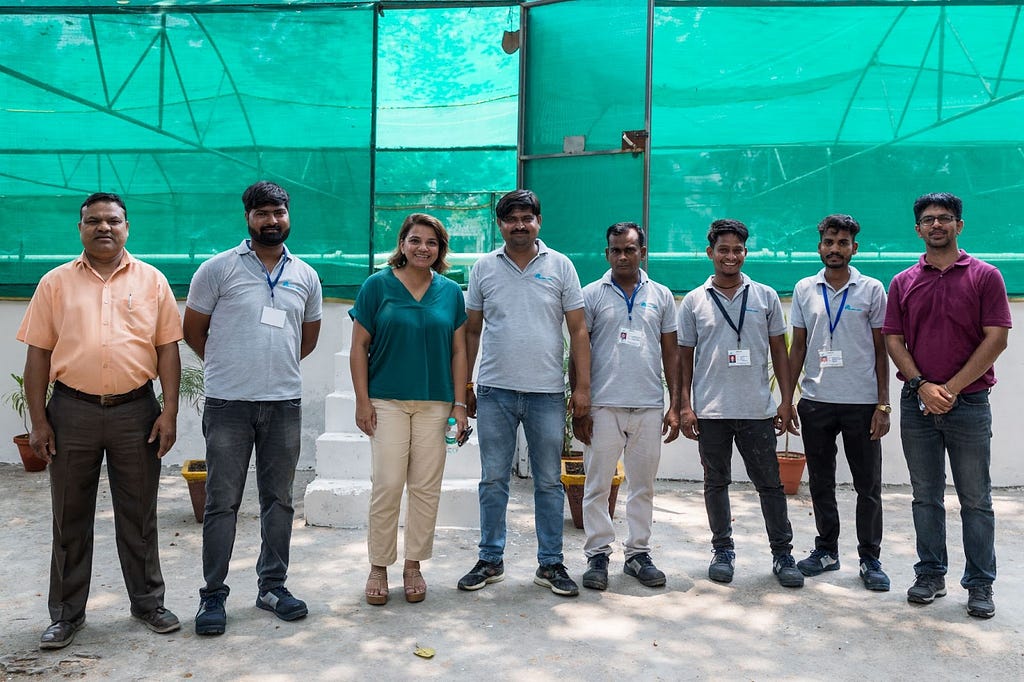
<point>691,629</point>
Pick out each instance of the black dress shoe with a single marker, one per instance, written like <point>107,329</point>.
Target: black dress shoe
<point>60,634</point>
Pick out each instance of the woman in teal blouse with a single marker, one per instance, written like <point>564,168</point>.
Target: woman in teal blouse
<point>408,364</point>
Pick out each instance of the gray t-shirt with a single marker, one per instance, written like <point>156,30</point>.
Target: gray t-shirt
<point>625,348</point>
<point>522,344</point>
<point>854,382</point>
<point>721,390</point>
<point>245,358</point>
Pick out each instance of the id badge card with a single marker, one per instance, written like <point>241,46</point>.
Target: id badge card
<point>273,317</point>
<point>830,358</point>
<point>631,337</point>
<point>739,357</point>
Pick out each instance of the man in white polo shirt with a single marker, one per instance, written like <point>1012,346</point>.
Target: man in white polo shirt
<point>837,342</point>
<point>523,291</point>
<point>632,324</point>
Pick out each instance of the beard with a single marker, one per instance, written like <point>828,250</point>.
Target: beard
<point>269,239</point>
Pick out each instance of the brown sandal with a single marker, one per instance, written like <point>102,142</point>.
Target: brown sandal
<point>415,586</point>
<point>377,586</point>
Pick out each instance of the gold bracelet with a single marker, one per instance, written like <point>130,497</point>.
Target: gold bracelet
<point>469,385</point>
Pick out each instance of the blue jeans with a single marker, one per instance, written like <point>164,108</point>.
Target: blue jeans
<point>499,412</point>
<point>965,432</point>
<point>232,428</point>
<point>756,442</point>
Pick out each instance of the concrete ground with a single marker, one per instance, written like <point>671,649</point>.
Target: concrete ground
<point>692,629</point>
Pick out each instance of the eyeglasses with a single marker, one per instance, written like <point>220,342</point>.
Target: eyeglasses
<point>944,219</point>
<point>520,220</point>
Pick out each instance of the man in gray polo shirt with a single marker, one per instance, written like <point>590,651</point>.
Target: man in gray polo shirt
<point>837,341</point>
<point>252,313</point>
<point>727,329</point>
<point>523,291</point>
<point>632,323</point>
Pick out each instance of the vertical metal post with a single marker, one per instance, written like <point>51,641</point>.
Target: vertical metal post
<point>648,103</point>
<point>524,13</point>
<point>373,138</point>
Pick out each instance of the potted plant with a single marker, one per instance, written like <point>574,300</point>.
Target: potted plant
<point>192,392</point>
<point>19,403</point>
<point>791,463</point>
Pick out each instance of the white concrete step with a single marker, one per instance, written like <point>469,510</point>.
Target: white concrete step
<point>346,503</point>
<point>347,456</point>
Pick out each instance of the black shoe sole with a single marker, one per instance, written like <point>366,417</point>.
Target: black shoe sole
<point>980,614</point>
<point>595,583</point>
<point>544,582</point>
<point>652,582</point>
<point>210,630</point>
<point>295,615</point>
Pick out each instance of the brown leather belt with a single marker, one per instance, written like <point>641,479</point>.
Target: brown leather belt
<point>108,400</point>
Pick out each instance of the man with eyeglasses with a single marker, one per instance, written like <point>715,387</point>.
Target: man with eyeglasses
<point>946,322</point>
<point>523,291</point>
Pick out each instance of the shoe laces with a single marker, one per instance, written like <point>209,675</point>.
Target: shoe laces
<point>598,561</point>
<point>644,559</point>
<point>280,592</point>
<point>723,556</point>
<point>868,564</point>
<point>558,571</point>
<point>785,561</point>
<point>213,601</point>
<point>981,591</point>
<point>818,554</point>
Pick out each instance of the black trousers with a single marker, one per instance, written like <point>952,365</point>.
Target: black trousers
<point>84,432</point>
<point>821,424</point>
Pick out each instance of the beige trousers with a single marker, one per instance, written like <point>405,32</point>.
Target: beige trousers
<point>408,454</point>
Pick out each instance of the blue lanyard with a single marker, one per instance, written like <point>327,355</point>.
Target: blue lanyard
<point>828,310</point>
<point>273,282</point>
<point>743,311</point>
<point>628,299</point>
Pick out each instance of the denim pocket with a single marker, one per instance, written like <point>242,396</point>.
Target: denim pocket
<point>483,390</point>
<point>977,398</point>
<point>295,403</point>
<point>216,403</point>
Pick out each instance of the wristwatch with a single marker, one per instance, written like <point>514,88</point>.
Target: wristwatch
<point>884,407</point>
<point>915,383</point>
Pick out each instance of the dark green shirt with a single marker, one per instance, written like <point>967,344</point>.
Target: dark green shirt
<point>411,341</point>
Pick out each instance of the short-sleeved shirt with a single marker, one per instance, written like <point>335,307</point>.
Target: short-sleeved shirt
<point>522,345</point>
<point>103,334</point>
<point>625,346</point>
<point>941,313</point>
<point>855,309</point>
<point>721,391</point>
<point>411,346</point>
<point>247,359</point>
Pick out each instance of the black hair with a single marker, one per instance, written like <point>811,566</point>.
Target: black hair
<point>727,226</point>
<point>264,193</point>
<point>517,199</point>
<point>837,222</point>
<point>950,202</point>
<point>619,229</point>
<point>106,198</point>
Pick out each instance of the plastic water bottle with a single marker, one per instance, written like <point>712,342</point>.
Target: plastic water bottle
<point>451,433</point>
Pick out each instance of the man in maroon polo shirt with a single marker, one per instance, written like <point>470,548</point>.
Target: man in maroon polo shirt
<point>946,322</point>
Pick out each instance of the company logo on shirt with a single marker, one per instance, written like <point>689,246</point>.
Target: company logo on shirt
<point>543,278</point>
<point>645,304</point>
<point>854,308</point>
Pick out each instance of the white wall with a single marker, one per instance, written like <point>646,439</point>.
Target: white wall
<point>679,460</point>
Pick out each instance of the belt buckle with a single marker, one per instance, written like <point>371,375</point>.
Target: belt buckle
<point>108,400</point>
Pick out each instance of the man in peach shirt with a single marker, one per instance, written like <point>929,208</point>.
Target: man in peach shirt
<point>102,327</point>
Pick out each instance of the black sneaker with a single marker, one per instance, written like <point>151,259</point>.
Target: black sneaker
<point>484,573</point>
<point>596,577</point>
<point>281,603</point>
<point>643,569</point>
<point>979,602</point>
<point>784,568</point>
<point>873,576</point>
<point>211,619</point>
<point>722,565</point>
<point>557,579</point>
<point>819,561</point>
<point>926,588</point>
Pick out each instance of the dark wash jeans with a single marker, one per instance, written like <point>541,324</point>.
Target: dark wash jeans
<point>965,432</point>
<point>821,423</point>
<point>756,442</point>
<point>232,428</point>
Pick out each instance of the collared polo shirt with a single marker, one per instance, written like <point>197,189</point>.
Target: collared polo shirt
<point>245,358</point>
<point>864,310</point>
<point>720,391</point>
<point>941,313</point>
<point>522,344</point>
<point>625,347</point>
<point>103,334</point>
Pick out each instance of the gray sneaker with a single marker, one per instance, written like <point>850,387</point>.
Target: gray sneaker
<point>596,576</point>
<point>926,589</point>
<point>979,602</point>
<point>722,566</point>
<point>784,568</point>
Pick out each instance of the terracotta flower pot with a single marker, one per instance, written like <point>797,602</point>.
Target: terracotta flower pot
<point>573,484</point>
<point>194,472</point>
<point>791,470</point>
<point>28,457</point>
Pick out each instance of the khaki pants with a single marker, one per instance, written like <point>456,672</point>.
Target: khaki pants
<point>408,453</point>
